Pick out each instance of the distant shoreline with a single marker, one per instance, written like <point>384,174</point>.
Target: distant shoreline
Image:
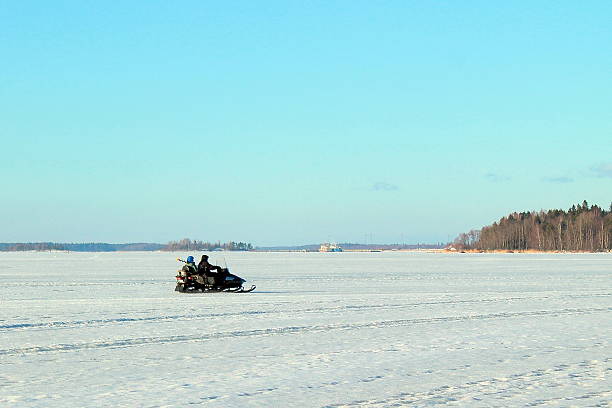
<point>430,251</point>
<point>199,246</point>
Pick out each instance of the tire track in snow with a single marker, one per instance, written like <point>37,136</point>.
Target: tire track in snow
<point>121,320</point>
<point>131,342</point>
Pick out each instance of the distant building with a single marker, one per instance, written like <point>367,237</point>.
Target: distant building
<point>327,247</point>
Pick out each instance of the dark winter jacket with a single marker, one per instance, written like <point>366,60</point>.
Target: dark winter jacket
<point>205,267</point>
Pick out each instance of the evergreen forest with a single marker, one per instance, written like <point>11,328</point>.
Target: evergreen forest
<point>187,244</point>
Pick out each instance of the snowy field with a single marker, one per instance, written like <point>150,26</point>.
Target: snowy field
<point>321,330</point>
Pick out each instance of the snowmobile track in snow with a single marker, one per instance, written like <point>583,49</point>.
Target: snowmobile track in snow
<point>131,342</point>
<point>199,316</point>
<point>505,387</point>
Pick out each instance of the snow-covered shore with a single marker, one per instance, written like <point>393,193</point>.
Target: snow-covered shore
<point>347,329</point>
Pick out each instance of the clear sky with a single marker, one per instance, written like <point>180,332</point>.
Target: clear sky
<point>291,122</point>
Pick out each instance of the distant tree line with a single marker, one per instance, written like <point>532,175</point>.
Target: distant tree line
<point>32,246</point>
<point>79,247</point>
<point>581,228</point>
<point>187,244</point>
<point>182,245</point>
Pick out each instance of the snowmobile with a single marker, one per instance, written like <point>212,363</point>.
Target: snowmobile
<point>222,281</point>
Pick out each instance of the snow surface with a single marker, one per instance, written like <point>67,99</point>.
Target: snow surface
<point>321,330</point>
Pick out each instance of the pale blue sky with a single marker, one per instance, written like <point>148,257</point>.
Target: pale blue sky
<point>291,122</point>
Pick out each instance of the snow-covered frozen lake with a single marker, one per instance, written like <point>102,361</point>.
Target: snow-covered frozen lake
<point>321,330</point>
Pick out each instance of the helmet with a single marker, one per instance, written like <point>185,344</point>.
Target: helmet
<point>205,257</point>
<point>190,258</point>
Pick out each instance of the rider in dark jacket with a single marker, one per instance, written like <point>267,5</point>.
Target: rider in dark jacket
<point>205,267</point>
